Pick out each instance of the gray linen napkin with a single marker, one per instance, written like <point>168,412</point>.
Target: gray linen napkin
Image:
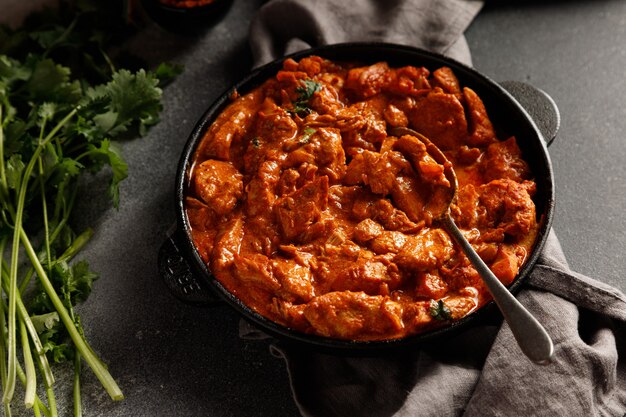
<point>285,26</point>
<point>481,371</point>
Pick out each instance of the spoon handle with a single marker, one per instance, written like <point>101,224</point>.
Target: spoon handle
<point>531,336</point>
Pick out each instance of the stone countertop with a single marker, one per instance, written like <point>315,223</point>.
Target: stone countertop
<point>173,359</point>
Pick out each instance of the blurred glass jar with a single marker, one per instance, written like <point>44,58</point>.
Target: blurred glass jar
<point>186,15</point>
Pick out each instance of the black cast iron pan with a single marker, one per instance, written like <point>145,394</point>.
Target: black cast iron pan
<point>515,109</point>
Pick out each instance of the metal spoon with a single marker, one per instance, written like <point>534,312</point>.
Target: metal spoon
<point>531,337</point>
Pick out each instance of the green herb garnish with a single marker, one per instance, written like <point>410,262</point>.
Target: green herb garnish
<point>306,135</point>
<point>305,93</point>
<point>438,310</point>
<point>63,106</point>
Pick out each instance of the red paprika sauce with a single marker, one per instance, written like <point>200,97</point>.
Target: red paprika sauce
<point>306,208</point>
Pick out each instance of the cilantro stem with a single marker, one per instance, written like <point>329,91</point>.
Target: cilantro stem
<point>78,407</point>
<point>12,293</point>
<point>77,245</point>
<point>38,405</point>
<point>4,190</point>
<point>52,401</point>
<point>44,209</point>
<point>39,349</point>
<point>29,367</point>
<point>3,338</point>
<point>25,318</point>
<point>85,350</point>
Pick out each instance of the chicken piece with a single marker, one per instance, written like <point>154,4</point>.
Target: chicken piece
<point>441,118</point>
<point>326,100</point>
<point>395,117</point>
<point>367,206</point>
<point>295,280</point>
<point>274,124</point>
<point>312,65</point>
<point>260,191</point>
<point>463,303</point>
<point>367,230</point>
<point>464,156</point>
<point>297,211</point>
<point>388,241</point>
<point>330,155</point>
<point>346,315</point>
<point>487,251</point>
<point>481,131</point>
<point>445,79</point>
<point>507,262</point>
<point>256,270</point>
<point>227,245</point>
<point>230,125</point>
<point>260,235</point>
<point>416,316</point>
<point>368,81</point>
<point>341,198</point>
<point>415,151</point>
<point>288,313</point>
<point>425,251</point>
<point>508,206</point>
<point>201,217</point>
<point>466,209</point>
<point>342,272</point>
<point>411,196</point>
<point>392,218</point>
<point>322,148</point>
<point>219,184</point>
<point>203,241</point>
<point>430,285</point>
<point>387,145</point>
<point>462,274</point>
<point>380,173</point>
<point>411,81</point>
<point>356,171</point>
<point>362,125</point>
<point>504,160</point>
<point>288,182</point>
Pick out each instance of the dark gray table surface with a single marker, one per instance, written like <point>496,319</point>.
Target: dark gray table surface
<point>172,359</point>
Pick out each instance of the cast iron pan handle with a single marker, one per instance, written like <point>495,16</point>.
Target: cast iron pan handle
<point>178,276</point>
<point>539,105</point>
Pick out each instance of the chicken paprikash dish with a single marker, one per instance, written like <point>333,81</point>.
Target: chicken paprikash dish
<point>306,207</point>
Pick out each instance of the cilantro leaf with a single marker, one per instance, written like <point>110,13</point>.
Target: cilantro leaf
<point>166,72</point>
<point>305,93</point>
<point>77,280</point>
<point>14,169</point>
<point>110,153</point>
<point>439,311</point>
<point>135,96</point>
<point>11,70</point>
<point>52,336</point>
<point>51,82</point>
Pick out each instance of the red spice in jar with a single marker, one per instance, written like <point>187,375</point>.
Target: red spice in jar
<point>186,4</point>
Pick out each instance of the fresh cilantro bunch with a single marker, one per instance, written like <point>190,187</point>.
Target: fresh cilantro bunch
<point>61,116</point>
